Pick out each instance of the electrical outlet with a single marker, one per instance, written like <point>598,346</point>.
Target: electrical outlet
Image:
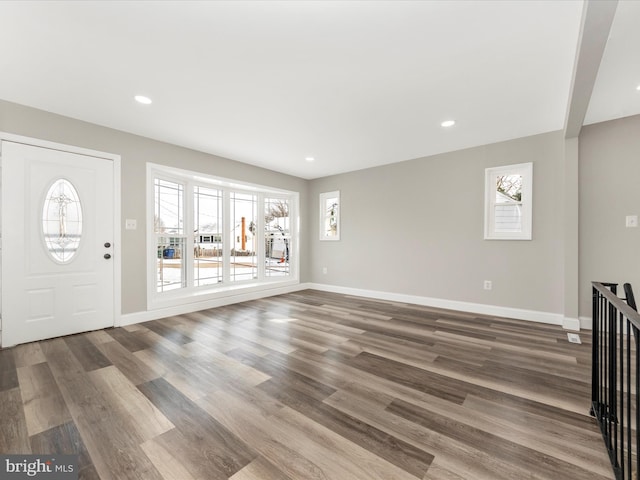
<point>324,270</point>
<point>488,284</point>
<point>631,221</point>
<point>130,224</point>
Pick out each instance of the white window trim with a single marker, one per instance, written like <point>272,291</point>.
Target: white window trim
<point>323,216</point>
<point>191,294</point>
<point>524,169</point>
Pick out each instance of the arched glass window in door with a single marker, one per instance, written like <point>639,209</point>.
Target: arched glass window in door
<point>62,221</point>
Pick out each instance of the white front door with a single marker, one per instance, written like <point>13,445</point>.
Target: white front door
<point>57,243</point>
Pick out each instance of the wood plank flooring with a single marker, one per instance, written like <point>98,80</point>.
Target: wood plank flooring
<point>309,385</point>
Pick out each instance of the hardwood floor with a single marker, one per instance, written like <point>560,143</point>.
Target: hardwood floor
<point>309,385</point>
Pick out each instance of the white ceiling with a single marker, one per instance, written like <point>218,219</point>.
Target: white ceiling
<point>351,83</point>
<point>614,93</point>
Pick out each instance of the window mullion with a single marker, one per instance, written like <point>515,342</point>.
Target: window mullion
<point>294,227</point>
<point>226,235</point>
<point>188,232</point>
<point>260,238</point>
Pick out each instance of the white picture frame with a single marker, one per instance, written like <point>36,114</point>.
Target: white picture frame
<point>508,217</point>
<point>329,213</point>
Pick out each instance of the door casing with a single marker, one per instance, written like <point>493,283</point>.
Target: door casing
<point>117,234</point>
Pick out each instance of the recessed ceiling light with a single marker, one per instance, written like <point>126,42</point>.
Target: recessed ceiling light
<point>638,87</point>
<point>448,123</point>
<point>309,159</point>
<point>142,99</point>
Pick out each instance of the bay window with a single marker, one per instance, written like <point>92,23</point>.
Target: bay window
<point>211,237</point>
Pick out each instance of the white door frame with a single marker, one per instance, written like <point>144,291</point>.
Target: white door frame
<point>117,233</point>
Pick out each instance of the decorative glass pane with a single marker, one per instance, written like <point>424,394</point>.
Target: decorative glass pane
<point>169,206</point>
<point>207,244</point>
<point>244,259</point>
<point>170,273</point>
<point>277,233</point>
<point>62,221</point>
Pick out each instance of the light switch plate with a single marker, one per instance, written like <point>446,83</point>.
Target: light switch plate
<point>632,221</point>
<point>130,224</point>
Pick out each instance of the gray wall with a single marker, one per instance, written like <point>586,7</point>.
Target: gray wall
<point>416,228</point>
<point>135,152</point>
<point>609,191</point>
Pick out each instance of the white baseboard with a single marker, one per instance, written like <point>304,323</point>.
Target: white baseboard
<point>571,324</point>
<point>586,323</point>
<point>479,308</point>
<point>147,315</point>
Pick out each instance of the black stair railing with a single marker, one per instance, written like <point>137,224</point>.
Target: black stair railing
<point>614,380</point>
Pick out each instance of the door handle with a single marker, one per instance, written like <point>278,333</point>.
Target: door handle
<point>107,256</point>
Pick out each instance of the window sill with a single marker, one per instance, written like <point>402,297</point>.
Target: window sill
<point>197,295</point>
<point>508,237</point>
